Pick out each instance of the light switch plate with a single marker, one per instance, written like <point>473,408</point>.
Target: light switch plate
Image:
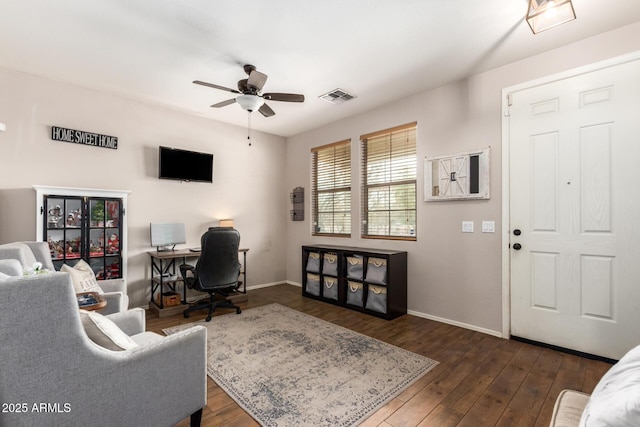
<point>467,226</point>
<point>488,226</point>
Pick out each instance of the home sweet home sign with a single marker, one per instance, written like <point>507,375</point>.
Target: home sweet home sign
<point>82,137</point>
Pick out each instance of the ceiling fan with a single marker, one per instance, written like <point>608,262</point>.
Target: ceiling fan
<point>249,93</point>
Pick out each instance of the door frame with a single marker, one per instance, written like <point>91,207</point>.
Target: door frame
<point>506,200</point>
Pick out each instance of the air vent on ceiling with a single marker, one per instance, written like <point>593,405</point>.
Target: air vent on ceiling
<point>337,96</point>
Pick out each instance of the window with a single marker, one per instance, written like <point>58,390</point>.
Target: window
<point>389,183</point>
<point>331,192</point>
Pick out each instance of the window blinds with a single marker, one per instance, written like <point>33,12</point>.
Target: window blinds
<point>331,192</point>
<point>389,183</point>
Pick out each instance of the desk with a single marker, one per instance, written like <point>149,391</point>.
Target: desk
<point>164,273</point>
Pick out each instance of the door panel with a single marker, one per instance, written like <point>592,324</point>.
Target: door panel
<point>574,153</point>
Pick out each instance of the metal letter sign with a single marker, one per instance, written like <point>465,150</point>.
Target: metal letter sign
<point>85,138</point>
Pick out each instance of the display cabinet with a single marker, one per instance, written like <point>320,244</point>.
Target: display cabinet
<point>373,281</point>
<point>86,224</point>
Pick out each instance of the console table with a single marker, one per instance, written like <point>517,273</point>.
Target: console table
<point>164,276</point>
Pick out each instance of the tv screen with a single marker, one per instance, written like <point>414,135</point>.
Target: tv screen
<point>185,165</point>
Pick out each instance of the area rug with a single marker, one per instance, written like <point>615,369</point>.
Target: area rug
<point>287,368</point>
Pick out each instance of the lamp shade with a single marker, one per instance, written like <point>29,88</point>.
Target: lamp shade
<point>250,102</point>
<point>226,223</point>
<point>545,14</point>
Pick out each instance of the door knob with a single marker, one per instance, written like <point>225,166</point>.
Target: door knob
<point>517,246</point>
<point>517,232</point>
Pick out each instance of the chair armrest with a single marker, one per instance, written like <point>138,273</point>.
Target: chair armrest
<point>184,272</point>
<point>184,268</point>
<point>11,267</point>
<point>568,408</point>
<point>113,285</point>
<point>115,303</point>
<point>131,321</point>
<point>115,292</point>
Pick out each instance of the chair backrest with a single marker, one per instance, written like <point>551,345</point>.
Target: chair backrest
<point>27,253</point>
<point>218,265</point>
<point>41,335</point>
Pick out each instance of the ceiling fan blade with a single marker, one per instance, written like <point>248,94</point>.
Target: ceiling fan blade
<point>257,80</point>
<point>266,111</point>
<point>224,103</point>
<point>287,97</point>
<point>198,82</point>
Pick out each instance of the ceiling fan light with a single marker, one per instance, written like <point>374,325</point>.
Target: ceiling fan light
<point>545,14</point>
<point>249,102</point>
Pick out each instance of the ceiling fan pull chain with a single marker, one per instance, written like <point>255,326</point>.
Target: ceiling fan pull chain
<point>249,128</point>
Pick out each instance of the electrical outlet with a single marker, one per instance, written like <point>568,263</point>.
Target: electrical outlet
<point>467,226</point>
<point>488,226</point>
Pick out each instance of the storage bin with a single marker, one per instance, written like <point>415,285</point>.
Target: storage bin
<point>354,293</point>
<point>330,288</point>
<point>330,264</point>
<point>313,284</point>
<point>169,299</point>
<point>377,299</point>
<point>377,271</point>
<point>313,262</point>
<point>354,267</point>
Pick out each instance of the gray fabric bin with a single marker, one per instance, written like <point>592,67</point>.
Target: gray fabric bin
<point>377,271</point>
<point>313,284</point>
<point>354,267</point>
<point>377,298</point>
<point>355,293</point>
<point>330,264</point>
<point>313,262</point>
<point>330,288</point>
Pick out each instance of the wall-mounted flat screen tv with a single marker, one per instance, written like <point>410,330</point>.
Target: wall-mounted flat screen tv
<point>184,165</point>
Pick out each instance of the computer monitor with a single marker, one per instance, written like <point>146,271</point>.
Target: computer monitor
<point>165,236</point>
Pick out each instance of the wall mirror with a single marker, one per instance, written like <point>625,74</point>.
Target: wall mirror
<point>459,176</point>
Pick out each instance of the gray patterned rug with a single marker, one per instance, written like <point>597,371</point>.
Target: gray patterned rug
<point>286,368</point>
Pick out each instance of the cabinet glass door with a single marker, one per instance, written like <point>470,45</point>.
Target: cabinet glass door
<point>63,229</point>
<point>104,237</point>
<point>85,228</point>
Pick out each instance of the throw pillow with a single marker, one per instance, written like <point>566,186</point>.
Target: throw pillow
<point>104,332</point>
<point>615,400</point>
<point>83,277</point>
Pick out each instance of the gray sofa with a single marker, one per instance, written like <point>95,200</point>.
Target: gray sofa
<point>53,374</point>
<point>27,253</point>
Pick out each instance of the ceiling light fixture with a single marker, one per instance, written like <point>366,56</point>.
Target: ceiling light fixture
<point>250,102</point>
<point>545,14</point>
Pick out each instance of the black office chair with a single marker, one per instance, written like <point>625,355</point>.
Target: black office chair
<point>217,270</point>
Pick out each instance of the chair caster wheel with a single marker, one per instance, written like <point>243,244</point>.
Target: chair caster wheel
<point>208,318</point>
<point>238,311</point>
<point>186,315</point>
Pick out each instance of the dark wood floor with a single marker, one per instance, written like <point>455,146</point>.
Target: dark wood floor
<point>481,380</point>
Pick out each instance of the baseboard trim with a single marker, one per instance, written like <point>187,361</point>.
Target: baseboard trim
<point>411,312</point>
<point>565,350</point>
<point>268,285</point>
<point>456,323</point>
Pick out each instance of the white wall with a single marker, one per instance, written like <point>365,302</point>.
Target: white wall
<point>453,276</point>
<point>248,182</point>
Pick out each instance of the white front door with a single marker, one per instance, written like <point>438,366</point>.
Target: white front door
<point>575,211</point>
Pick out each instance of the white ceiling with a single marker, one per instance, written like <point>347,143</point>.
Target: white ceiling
<point>379,50</point>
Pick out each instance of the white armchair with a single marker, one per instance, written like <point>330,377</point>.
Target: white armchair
<point>53,373</point>
<point>27,253</point>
